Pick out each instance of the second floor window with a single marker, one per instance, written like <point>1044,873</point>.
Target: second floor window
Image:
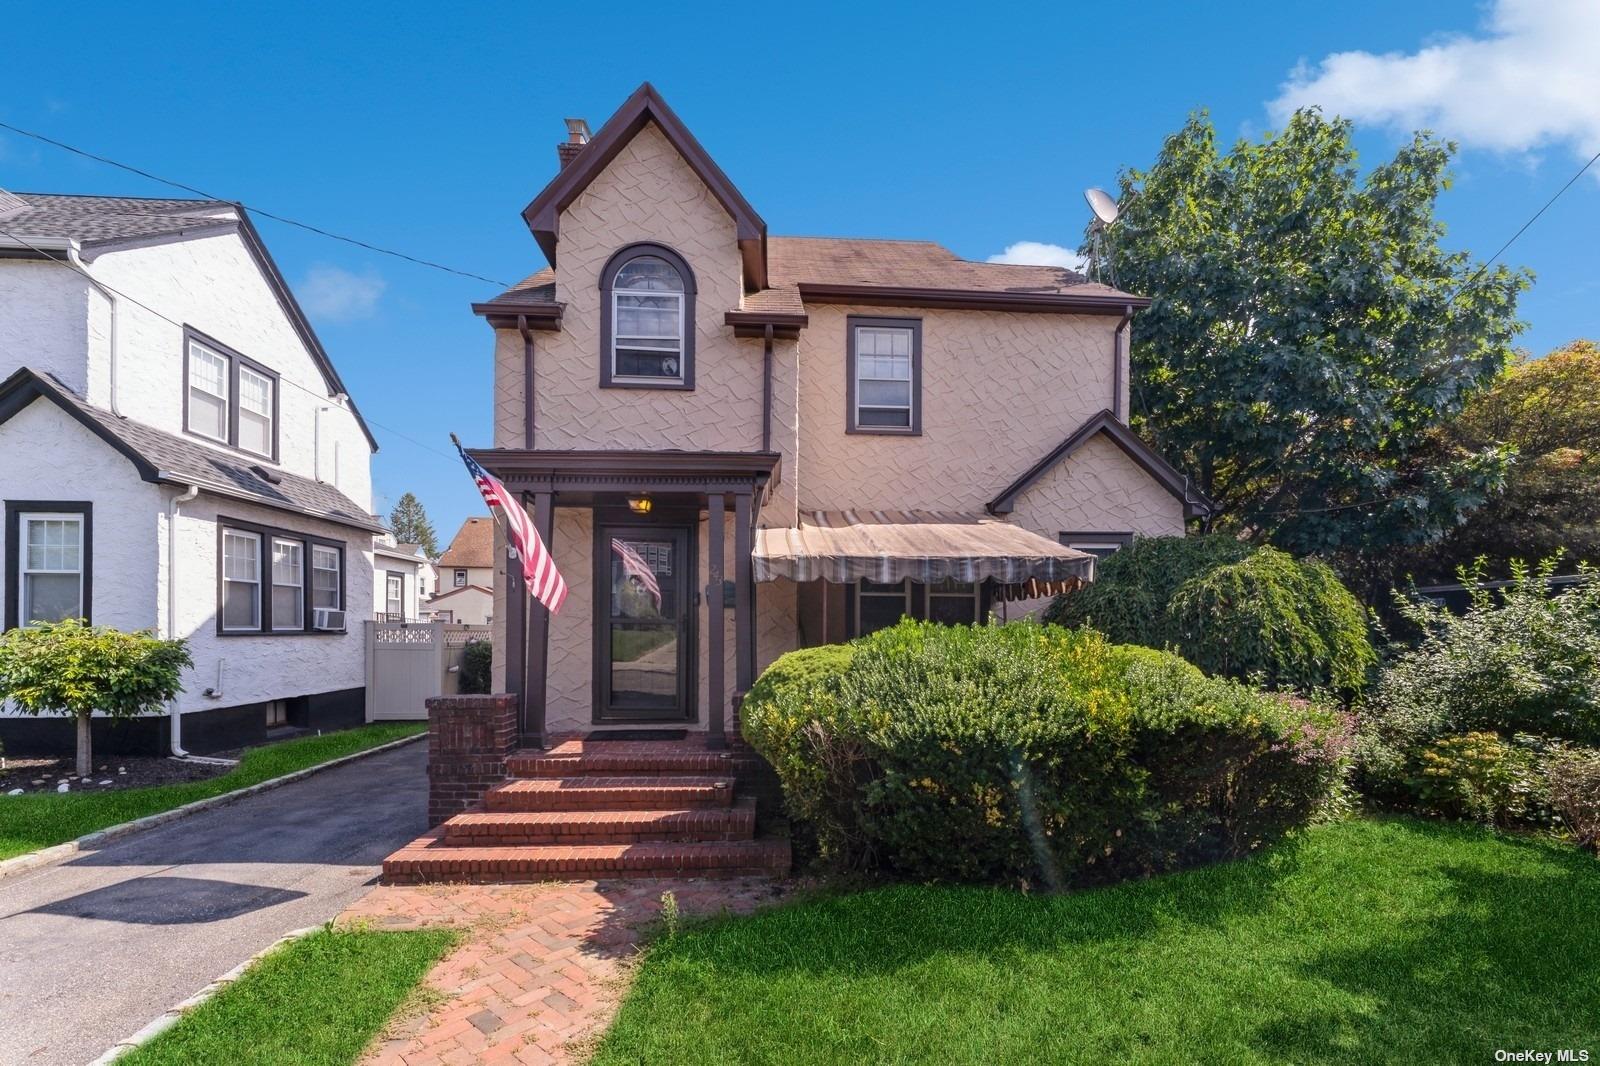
<point>883,386</point>
<point>647,311</point>
<point>228,398</point>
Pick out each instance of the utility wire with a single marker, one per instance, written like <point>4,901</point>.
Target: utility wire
<point>254,210</point>
<point>70,265</point>
<point>1501,251</point>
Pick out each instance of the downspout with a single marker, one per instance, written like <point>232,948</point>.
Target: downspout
<point>1117,340</point>
<point>527,381</point>
<point>111,299</point>
<point>177,501</point>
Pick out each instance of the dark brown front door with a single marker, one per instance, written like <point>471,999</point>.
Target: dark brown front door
<point>645,631</point>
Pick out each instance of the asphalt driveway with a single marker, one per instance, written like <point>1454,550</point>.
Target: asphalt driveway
<point>93,949</point>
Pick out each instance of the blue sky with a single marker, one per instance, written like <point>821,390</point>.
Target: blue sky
<point>975,127</point>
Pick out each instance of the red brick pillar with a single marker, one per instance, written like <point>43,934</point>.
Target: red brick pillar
<point>469,738</point>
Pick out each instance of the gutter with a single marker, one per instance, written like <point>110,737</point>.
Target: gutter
<point>1117,339</point>
<point>527,381</point>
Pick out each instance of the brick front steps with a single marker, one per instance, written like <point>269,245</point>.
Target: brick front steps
<point>594,809</point>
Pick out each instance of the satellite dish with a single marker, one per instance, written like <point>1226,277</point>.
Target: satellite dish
<point>1103,206</point>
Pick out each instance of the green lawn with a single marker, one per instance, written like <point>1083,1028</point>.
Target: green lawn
<point>1368,941</point>
<point>317,1001</point>
<point>35,821</point>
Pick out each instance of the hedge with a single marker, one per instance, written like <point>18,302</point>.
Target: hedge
<point>1032,754</point>
<point>1231,609</point>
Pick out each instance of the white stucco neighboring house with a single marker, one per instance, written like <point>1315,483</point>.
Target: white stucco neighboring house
<point>178,453</point>
<point>402,581</point>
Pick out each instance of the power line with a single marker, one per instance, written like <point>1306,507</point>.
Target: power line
<point>1501,251</point>
<point>256,210</point>
<point>70,265</point>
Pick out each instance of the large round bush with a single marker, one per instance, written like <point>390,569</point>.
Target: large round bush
<point>1027,753</point>
<point>1231,609</point>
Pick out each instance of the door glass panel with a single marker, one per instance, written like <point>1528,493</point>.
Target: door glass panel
<point>644,665</point>
<point>643,584</point>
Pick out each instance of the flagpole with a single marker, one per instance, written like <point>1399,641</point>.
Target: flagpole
<point>499,521</point>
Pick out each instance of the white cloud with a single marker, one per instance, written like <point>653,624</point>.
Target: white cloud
<point>1036,253</point>
<point>335,293</point>
<point>1529,80</point>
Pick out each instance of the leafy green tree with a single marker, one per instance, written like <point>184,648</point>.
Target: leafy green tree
<point>409,521</point>
<point>71,668</point>
<point>1547,411</point>
<point>1308,332</point>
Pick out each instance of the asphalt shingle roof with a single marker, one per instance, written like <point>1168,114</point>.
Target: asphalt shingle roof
<point>169,457</point>
<point>472,546</point>
<point>95,219</point>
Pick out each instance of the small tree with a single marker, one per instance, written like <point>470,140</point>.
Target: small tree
<point>72,668</point>
<point>409,521</point>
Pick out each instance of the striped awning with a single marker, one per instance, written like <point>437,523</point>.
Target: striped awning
<point>927,546</point>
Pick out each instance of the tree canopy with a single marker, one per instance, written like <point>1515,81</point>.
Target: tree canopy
<point>409,522</point>
<point>1547,412</point>
<point>1308,331</point>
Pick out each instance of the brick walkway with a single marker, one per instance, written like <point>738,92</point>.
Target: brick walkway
<point>543,966</point>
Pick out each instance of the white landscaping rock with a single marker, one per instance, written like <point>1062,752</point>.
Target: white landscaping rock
<point>107,781</point>
<point>15,792</point>
<point>63,787</point>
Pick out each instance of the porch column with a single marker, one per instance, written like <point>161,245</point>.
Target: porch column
<point>516,631</point>
<point>538,644</point>
<point>715,688</point>
<point>744,655</point>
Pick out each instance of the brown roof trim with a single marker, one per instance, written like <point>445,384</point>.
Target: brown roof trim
<point>437,596</point>
<point>503,314</point>
<point>622,470</point>
<point>543,215</point>
<point>1194,502</point>
<point>785,325</point>
<point>24,386</point>
<point>971,299</point>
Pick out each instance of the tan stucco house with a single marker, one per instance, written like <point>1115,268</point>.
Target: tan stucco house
<point>737,444</point>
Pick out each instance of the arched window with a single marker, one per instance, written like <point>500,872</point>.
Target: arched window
<point>647,320</point>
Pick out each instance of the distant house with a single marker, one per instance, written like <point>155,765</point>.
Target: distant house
<point>178,453</point>
<point>402,581</point>
<point>466,576</point>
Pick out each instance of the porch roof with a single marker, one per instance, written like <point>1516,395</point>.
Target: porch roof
<point>927,546</point>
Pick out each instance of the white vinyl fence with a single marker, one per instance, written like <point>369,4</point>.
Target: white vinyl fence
<point>410,662</point>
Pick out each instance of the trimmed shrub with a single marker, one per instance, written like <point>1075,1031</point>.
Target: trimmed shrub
<point>477,664</point>
<point>1230,609</point>
<point>1033,754</point>
<point>1479,776</point>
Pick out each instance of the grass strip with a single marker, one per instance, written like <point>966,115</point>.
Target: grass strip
<point>1374,940</point>
<point>35,821</point>
<point>316,1001</point>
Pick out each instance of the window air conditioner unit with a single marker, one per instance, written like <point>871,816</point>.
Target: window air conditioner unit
<point>326,618</point>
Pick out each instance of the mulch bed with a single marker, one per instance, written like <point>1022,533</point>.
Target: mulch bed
<point>111,774</point>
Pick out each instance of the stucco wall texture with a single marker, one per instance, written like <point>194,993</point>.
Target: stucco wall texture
<point>999,390</point>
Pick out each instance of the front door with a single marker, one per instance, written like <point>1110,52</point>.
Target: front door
<point>645,632</point>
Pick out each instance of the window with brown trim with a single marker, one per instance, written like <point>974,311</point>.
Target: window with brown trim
<point>228,398</point>
<point>883,375</point>
<point>1098,545</point>
<point>265,577</point>
<point>647,319</point>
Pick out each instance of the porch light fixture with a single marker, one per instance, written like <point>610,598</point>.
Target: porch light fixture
<point>639,504</point>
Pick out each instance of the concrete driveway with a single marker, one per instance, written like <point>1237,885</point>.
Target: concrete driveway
<point>93,949</point>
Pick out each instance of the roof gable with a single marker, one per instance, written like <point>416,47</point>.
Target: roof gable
<point>1194,502</point>
<point>543,215</point>
<point>472,547</point>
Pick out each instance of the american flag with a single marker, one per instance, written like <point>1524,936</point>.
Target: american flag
<point>634,566</point>
<point>539,571</point>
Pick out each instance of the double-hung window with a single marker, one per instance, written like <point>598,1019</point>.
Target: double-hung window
<point>878,605</point>
<point>47,562</point>
<point>647,319</point>
<point>273,581</point>
<point>394,597</point>
<point>241,581</point>
<point>228,398</point>
<point>884,376</point>
<point>288,584</point>
<point>953,603</point>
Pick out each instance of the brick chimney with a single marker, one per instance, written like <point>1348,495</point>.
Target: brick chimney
<point>577,137</point>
